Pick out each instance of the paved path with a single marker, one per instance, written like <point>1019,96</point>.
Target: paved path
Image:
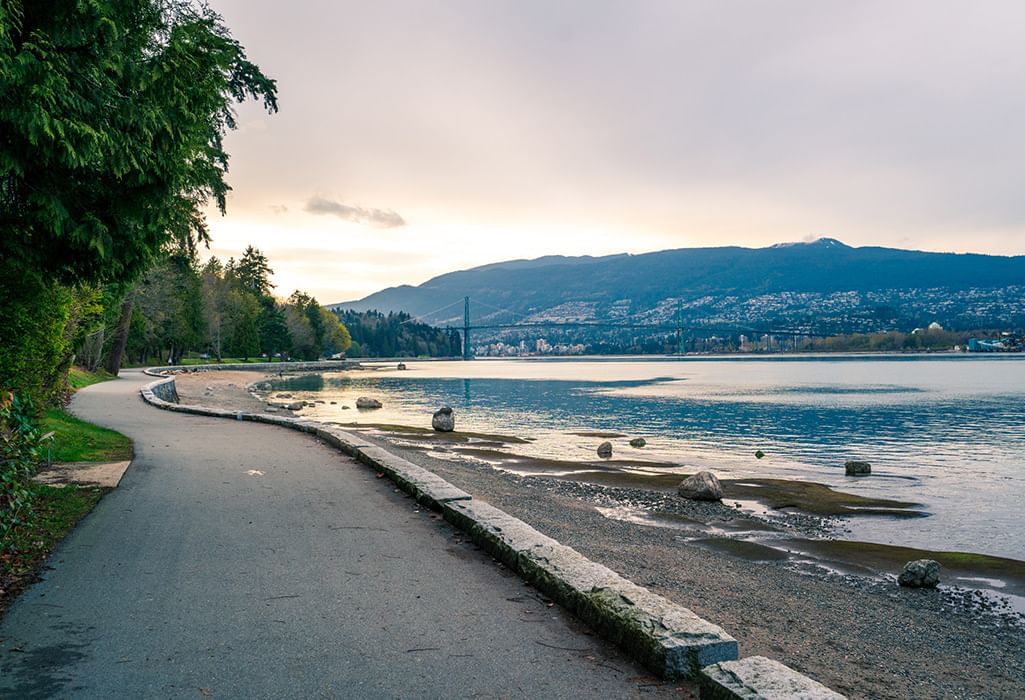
<point>246,560</point>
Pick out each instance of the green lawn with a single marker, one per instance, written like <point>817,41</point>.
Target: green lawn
<point>78,441</point>
<point>79,378</point>
<point>226,361</point>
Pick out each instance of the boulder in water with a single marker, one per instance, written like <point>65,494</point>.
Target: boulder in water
<point>703,486</point>
<point>855,468</point>
<point>605,450</point>
<point>444,420</point>
<point>365,402</point>
<point>921,573</point>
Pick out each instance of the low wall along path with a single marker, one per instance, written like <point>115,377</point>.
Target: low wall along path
<point>667,638</point>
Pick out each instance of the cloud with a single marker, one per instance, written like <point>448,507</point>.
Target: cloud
<point>378,218</point>
<point>278,208</point>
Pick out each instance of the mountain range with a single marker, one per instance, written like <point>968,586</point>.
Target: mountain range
<point>823,286</point>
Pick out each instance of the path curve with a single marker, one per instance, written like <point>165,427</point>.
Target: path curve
<point>246,560</point>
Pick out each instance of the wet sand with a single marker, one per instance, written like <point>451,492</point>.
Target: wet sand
<point>826,607</point>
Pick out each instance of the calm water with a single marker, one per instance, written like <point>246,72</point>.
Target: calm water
<point>944,431</point>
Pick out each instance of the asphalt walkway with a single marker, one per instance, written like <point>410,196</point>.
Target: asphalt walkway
<point>245,560</point>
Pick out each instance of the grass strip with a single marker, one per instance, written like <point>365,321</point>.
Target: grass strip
<point>56,510</point>
<point>79,378</point>
<point>75,440</point>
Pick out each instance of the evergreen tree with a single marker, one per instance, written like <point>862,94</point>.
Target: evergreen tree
<point>112,124</point>
<point>111,143</point>
<point>253,272</point>
<point>274,335</point>
<point>242,324</point>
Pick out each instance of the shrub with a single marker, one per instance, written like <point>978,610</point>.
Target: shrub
<point>19,456</point>
<point>35,353</point>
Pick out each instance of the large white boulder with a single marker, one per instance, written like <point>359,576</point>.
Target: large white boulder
<point>444,420</point>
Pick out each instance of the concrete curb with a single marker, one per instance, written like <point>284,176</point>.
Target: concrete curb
<point>759,677</point>
<point>668,638</point>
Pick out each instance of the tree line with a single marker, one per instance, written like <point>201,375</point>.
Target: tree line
<point>218,309</point>
<point>396,334</point>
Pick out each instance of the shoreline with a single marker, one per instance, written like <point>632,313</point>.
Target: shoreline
<point>830,619</point>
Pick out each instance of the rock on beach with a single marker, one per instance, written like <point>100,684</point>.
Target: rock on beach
<point>638,442</point>
<point>703,486</point>
<point>365,402</point>
<point>605,450</point>
<point>921,573</point>
<point>444,420</point>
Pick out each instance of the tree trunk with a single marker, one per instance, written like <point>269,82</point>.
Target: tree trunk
<point>120,342</point>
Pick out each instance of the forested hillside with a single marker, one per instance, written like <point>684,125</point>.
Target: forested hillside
<point>824,287</point>
<point>375,334</point>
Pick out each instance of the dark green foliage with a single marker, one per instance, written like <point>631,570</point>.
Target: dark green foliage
<point>242,330</point>
<point>111,131</point>
<point>274,336</point>
<point>315,331</point>
<point>180,308</point>
<point>34,350</point>
<point>396,335</point>
<point>112,119</point>
<point>19,454</point>
<point>252,272</point>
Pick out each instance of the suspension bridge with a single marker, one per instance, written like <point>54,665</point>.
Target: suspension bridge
<point>679,328</point>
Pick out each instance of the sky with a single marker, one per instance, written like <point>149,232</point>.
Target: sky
<point>419,137</point>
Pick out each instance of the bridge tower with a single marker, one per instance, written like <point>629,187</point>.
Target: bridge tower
<point>467,355</point>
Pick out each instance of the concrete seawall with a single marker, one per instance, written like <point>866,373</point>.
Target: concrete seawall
<point>668,638</point>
